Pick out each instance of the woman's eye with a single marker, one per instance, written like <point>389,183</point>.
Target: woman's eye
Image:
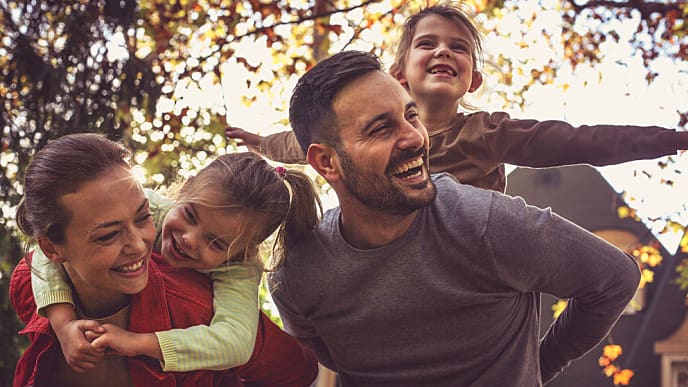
<point>144,218</point>
<point>107,237</point>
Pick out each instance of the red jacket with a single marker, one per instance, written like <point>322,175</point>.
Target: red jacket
<point>173,298</point>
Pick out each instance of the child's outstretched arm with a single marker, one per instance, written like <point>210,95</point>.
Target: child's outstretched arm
<point>226,343</point>
<point>53,298</point>
<point>282,146</point>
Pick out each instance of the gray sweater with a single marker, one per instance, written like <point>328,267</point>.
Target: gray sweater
<point>456,300</point>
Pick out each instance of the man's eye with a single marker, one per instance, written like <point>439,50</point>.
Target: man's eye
<point>379,130</point>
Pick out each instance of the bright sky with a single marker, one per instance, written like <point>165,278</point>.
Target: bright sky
<point>620,95</point>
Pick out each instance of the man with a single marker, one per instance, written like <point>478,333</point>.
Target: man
<point>417,280</point>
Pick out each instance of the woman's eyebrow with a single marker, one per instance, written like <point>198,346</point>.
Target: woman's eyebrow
<point>116,222</point>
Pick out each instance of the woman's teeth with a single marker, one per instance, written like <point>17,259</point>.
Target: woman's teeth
<point>130,268</point>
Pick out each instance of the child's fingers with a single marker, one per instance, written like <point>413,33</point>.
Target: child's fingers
<point>99,344</point>
<point>90,325</point>
<point>90,336</point>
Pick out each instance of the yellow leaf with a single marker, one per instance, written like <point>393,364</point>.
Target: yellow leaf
<point>646,277</point>
<point>610,370</point>
<point>623,377</point>
<point>559,307</point>
<point>612,351</point>
<point>624,212</point>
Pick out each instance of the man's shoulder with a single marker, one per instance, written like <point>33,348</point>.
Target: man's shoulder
<point>447,183</point>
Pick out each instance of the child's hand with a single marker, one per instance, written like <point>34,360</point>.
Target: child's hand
<point>242,137</point>
<point>122,342</point>
<point>76,348</point>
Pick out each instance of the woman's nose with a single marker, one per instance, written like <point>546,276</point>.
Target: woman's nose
<point>136,241</point>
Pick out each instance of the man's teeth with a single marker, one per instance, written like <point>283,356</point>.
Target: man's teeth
<point>130,268</point>
<point>409,165</point>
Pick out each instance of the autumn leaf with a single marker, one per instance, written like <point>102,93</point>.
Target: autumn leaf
<point>559,307</point>
<point>612,351</point>
<point>623,377</point>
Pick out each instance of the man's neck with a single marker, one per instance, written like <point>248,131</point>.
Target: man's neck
<point>365,228</point>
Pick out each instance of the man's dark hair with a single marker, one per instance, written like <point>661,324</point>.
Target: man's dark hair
<point>310,109</point>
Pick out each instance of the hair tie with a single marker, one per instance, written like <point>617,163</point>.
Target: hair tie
<point>281,171</point>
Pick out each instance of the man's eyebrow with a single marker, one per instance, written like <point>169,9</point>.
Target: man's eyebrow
<point>386,115</point>
<point>115,222</point>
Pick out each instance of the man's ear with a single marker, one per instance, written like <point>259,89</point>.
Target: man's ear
<point>50,250</point>
<point>476,81</point>
<point>323,159</point>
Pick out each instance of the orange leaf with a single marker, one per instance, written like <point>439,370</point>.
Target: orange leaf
<point>623,377</point>
<point>612,351</point>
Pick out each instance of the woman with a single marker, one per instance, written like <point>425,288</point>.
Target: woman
<point>84,208</point>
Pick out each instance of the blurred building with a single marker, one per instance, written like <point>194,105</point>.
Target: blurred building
<point>649,330</point>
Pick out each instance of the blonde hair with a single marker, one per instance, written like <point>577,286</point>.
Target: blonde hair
<point>273,199</point>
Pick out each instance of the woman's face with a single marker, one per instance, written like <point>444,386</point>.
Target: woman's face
<point>109,237</point>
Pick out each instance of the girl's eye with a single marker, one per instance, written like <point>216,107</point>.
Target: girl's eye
<point>424,43</point>
<point>460,47</point>
<point>189,216</point>
<point>217,245</point>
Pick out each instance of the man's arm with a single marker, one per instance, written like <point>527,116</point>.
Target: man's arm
<point>537,250</point>
<point>295,323</point>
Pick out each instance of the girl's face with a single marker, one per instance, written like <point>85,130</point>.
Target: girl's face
<point>198,237</point>
<point>108,240</point>
<point>439,62</point>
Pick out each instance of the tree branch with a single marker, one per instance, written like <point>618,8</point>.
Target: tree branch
<point>303,19</point>
<point>645,8</point>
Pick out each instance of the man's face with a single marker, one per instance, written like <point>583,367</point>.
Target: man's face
<point>384,151</point>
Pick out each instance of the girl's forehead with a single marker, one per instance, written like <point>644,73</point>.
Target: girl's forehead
<point>440,25</point>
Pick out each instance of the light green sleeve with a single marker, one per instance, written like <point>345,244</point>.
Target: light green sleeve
<point>48,282</point>
<point>229,339</point>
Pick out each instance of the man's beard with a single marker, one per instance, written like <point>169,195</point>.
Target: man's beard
<point>379,193</point>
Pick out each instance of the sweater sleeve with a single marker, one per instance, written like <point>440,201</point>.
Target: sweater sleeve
<point>283,147</point>
<point>230,338</point>
<point>294,322</point>
<point>48,282</point>
<point>549,254</point>
<point>552,143</point>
